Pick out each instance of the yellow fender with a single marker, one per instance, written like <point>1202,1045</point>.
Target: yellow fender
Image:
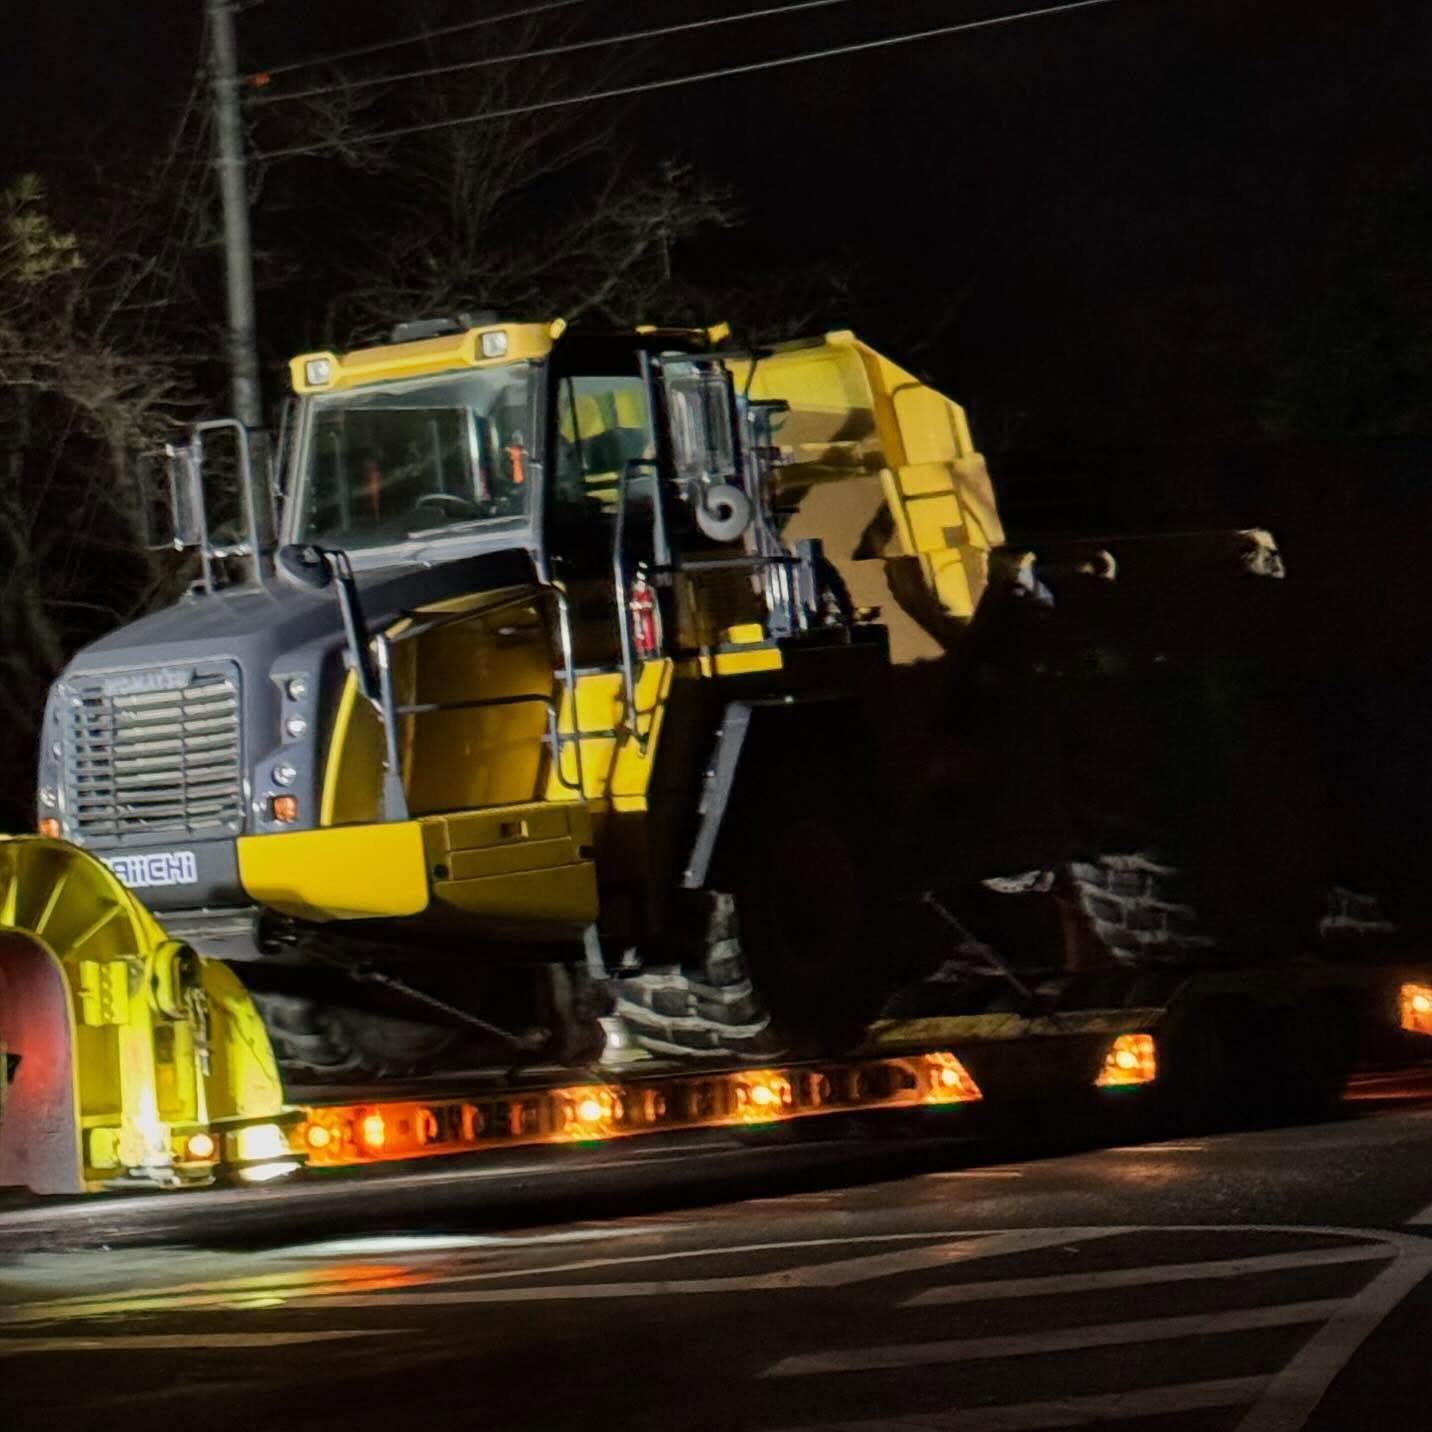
<point>128,1055</point>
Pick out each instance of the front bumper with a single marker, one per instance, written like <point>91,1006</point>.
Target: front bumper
<point>520,864</point>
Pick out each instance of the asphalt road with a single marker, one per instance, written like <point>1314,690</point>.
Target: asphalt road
<point>1260,1281</point>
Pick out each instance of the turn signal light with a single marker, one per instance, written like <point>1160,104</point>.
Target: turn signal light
<point>284,808</point>
<point>50,827</point>
<point>1131,1060</point>
<point>1414,1008</point>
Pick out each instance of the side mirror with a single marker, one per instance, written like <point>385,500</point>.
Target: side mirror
<point>304,564</point>
<point>186,503</point>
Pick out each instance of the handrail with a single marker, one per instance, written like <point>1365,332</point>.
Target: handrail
<point>419,625</point>
<point>619,592</point>
<point>569,679</point>
<point>395,799</point>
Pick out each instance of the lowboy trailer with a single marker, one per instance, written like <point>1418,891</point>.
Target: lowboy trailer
<point>130,1059</point>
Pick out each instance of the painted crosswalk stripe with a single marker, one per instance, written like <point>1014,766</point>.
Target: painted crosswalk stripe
<point>168,1342</point>
<point>1296,1391</point>
<point>397,1289</point>
<point>1096,1408</point>
<point>1153,1275</point>
<point>869,1359</point>
<point>812,1275</point>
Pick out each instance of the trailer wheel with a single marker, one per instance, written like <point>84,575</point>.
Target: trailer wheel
<point>1314,1048</point>
<point>1137,906</point>
<point>1146,909</point>
<point>1233,1065</point>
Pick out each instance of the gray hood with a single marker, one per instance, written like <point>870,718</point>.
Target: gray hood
<point>255,670</point>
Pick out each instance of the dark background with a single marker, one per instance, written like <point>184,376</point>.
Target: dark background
<point>1142,223</point>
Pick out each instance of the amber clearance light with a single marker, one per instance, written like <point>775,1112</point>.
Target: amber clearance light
<point>1414,1008</point>
<point>1131,1060</point>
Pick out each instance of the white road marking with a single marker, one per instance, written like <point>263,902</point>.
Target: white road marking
<point>1293,1395</point>
<point>323,1283</point>
<point>161,1342</point>
<point>977,1173</point>
<point>394,1245</point>
<point>395,1288</point>
<point>1155,1273</point>
<point>837,1274</point>
<point>1424,1216</point>
<point>1068,1411</point>
<point>869,1359</point>
<point>1157,1149</point>
<point>817,1275</point>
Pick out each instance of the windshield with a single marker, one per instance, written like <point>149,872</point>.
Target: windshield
<point>408,460</point>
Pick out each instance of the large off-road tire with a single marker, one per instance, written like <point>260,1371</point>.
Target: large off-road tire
<point>786,964</point>
<point>1145,908</point>
<point>1138,909</point>
<point>319,1043</point>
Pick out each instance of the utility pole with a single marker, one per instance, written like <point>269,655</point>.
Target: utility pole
<point>238,251</point>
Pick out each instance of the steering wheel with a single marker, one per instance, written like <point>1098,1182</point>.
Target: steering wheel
<point>463,505</point>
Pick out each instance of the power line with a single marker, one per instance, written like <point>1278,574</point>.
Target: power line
<point>727,72</point>
<point>548,51</point>
<point>262,77</point>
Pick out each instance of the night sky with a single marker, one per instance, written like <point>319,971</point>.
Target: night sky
<point>1153,224</point>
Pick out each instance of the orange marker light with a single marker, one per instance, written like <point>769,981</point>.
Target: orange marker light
<point>1131,1059</point>
<point>947,1080</point>
<point>763,1095</point>
<point>1414,1008</point>
<point>285,809</point>
<point>590,1112</point>
<point>373,1132</point>
<point>50,827</point>
<point>317,1137</point>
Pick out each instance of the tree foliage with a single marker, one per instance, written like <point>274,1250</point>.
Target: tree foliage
<point>78,404</point>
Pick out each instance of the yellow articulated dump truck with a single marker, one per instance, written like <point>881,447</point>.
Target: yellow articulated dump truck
<point>564,661</point>
<point>565,700</point>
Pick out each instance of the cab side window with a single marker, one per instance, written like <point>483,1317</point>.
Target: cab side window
<point>602,425</point>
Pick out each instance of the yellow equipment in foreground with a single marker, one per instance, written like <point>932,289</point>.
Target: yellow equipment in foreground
<point>126,1054</point>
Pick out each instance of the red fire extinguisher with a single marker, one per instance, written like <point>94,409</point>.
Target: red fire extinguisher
<point>645,617</point>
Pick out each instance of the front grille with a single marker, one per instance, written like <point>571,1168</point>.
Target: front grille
<point>154,754</point>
